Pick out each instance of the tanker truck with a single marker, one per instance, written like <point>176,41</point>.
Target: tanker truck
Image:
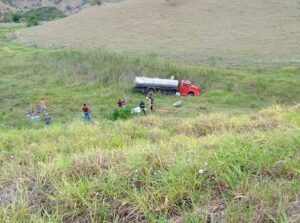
<point>148,85</point>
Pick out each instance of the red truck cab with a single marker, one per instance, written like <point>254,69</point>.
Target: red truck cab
<point>186,88</point>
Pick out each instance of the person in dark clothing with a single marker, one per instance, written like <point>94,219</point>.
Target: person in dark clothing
<point>142,106</point>
<point>86,112</point>
<point>47,119</point>
<point>120,103</point>
<point>30,114</point>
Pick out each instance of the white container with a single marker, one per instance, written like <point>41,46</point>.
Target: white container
<point>156,82</point>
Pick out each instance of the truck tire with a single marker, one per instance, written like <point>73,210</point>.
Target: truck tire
<point>191,94</point>
<point>168,92</point>
<point>150,91</point>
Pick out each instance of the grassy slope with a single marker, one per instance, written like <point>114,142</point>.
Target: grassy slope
<point>243,132</point>
<point>224,32</point>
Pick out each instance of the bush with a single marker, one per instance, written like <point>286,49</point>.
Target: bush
<point>96,2</point>
<point>120,113</point>
<point>6,17</point>
<point>46,13</point>
<point>16,17</point>
<point>32,20</point>
<point>42,14</point>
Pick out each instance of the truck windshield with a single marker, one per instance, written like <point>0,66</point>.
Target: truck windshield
<point>186,83</point>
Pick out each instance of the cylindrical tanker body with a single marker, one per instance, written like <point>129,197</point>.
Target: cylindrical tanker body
<point>155,82</point>
<point>149,85</point>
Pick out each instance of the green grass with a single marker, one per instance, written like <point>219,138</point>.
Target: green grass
<point>231,154</point>
<point>68,78</point>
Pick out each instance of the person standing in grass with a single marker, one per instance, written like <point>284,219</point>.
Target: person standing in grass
<point>42,105</point>
<point>120,103</point>
<point>142,107</point>
<point>86,112</point>
<point>150,102</point>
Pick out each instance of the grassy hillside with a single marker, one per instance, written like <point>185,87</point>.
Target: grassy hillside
<point>230,155</point>
<point>201,31</point>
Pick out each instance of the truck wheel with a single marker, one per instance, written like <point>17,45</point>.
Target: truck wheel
<point>150,92</point>
<point>167,92</point>
<point>190,94</point>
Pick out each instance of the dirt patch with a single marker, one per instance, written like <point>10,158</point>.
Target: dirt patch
<point>126,213</point>
<point>213,212</point>
<point>39,195</point>
<point>38,192</point>
<point>84,217</point>
<point>177,219</point>
<point>293,212</point>
<point>8,194</point>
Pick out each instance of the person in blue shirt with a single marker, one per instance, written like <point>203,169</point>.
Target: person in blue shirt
<point>47,119</point>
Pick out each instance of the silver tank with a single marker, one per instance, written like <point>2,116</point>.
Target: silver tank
<point>156,82</point>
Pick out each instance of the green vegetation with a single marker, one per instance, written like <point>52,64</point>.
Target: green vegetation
<point>7,17</point>
<point>16,17</point>
<point>33,16</point>
<point>46,13</point>
<point>120,114</point>
<point>231,154</point>
<point>96,2</point>
<point>32,20</point>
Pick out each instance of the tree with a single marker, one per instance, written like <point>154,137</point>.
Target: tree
<point>16,17</point>
<point>96,2</point>
<point>32,20</point>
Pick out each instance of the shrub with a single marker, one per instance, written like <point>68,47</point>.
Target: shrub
<point>16,17</point>
<point>96,2</point>
<point>32,20</point>
<point>120,113</point>
<point>6,17</point>
<point>46,13</point>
